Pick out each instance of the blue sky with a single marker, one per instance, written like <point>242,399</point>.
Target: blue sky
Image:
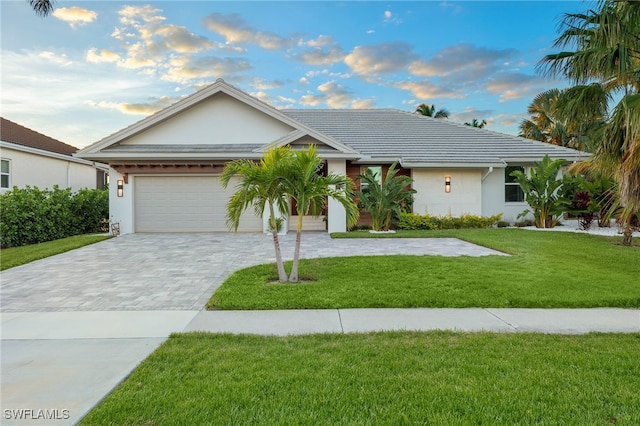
<point>94,67</point>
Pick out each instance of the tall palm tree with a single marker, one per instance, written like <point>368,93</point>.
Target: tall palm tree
<point>430,111</point>
<point>42,7</point>
<point>607,50</point>
<point>544,124</point>
<point>310,190</point>
<point>260,185</point>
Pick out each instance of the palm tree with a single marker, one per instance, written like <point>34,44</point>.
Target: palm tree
<point>385,200</point>
<point>260,186</point>
<point>42,7</point>
<point>304,184</point>
<point>544,124</point>
<point>607,50</point>
<point>430,111</point>
<point>476,123</point>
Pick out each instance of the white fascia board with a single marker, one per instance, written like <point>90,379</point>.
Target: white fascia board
<point>57,156</point>
<point>445,165</point>
<point>531,159</point>
<point>378,160</point>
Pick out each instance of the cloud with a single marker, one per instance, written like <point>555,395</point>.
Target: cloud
<point>145,108</point>
<point>75,16</point>
<point>427,90</point>
<point>512,86</point>
<point>334,95</point>
<point>322,51</point>
<point>235,30</point>
<point>103,56</point>
<point>470,113</point>
<point>54,58</point>
<point>386,58</point>
<point>389,17</point>
<point>363,103</point>
<point>461,62</point>
<point>207,67</point>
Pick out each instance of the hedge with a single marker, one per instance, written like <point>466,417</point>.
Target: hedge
<point>412,221</point>
<point>32,215</point>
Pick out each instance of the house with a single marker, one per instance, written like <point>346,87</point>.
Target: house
<point>29,158</point>
<point>164,169</point>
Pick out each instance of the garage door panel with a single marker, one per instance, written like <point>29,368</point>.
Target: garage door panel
<point>185,204</point>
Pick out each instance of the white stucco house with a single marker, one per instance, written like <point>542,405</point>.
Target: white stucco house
<point>29,158</point>
<point>164,169</point>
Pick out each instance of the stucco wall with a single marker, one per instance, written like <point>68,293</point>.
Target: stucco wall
<point>44,172</point>
<point>218,120</point>
<point>431,198</point>
<point>493,198</point>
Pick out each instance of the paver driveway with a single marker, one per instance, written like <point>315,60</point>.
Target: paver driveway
<point>150,272</point>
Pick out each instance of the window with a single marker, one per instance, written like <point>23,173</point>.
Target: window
<point>512,191</point>
<point>5,174</point>
<point>376,172</point>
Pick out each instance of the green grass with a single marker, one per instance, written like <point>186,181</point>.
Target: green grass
<point>545,270</point>
<point>439,378</point>
<point>16,256</point>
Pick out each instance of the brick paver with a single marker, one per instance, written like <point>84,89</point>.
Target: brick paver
<point>146,272</point>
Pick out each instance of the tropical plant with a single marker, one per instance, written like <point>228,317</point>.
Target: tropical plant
<point>544,124</point>
<point>303,181</point>
<point>430,111</point>
<point>476,123</point>
<point>260,185</point>
<point>385,200</point>
<point>542,192</point>
<point>42,7</point>
<point>607,51</point>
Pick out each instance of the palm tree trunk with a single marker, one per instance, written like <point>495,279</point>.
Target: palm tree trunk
<point>296,253</point>
<point>627,234</point>
<point>282,274</point>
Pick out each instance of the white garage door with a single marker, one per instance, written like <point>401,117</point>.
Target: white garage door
<point>186,204</point>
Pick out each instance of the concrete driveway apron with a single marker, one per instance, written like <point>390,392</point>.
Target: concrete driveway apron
<point>76,324</point>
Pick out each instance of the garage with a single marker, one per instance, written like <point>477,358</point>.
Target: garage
<point>185,204</point>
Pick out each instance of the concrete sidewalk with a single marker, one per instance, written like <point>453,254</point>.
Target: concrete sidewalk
<point>66,362</point>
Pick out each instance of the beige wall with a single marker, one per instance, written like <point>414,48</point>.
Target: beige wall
<point>45,172</point>
<point>218,120</point>
<point>431,198</point>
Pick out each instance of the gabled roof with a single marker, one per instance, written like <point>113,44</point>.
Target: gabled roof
<point>416,140</point>
<point>220,86</point>
<point>20,135</point>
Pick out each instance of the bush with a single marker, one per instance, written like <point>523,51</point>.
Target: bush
<point>32,215</point>
<point>412,221</point>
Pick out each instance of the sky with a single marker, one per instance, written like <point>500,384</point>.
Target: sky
<point>94,67</point>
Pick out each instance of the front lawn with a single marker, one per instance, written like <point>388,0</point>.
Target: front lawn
<point>545,270</point>
<point>16,256</point>
<point>438,378</point>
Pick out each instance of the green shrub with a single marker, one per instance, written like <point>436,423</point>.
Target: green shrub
<point>412,221</point>
<point>32,215</point>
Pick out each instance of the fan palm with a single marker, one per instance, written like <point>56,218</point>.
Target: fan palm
<point>607,50</point>
<point>430,111</point>
<point>545,125</point>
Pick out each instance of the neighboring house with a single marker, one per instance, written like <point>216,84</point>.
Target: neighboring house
<point>164,169</point>
<point>29,158</point>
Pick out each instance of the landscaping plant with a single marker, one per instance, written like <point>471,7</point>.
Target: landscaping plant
<point>385,200</point>
<point>541,191</point>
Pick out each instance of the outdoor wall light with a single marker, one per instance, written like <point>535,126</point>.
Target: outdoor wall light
<point>120,188</point>
<point>447,184</point>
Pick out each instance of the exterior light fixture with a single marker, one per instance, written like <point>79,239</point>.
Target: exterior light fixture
<point>447,184</point>
<point>120,188</point>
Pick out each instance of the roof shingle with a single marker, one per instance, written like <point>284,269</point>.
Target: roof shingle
<point>20,135</point>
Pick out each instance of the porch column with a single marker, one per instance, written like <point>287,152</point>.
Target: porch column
<point>337,216</point>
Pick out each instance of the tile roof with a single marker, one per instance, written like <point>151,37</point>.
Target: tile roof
<point>417,139</point>
<point>20,135</point>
